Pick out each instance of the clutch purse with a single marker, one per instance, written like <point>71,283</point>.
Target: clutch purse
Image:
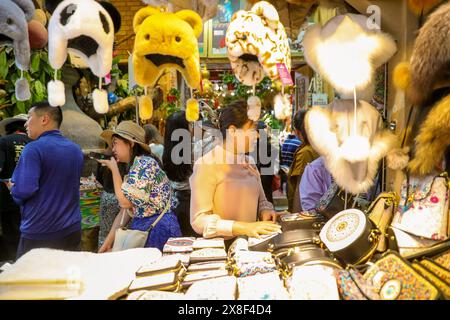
<point>301,220</point>
<point>191,278</point>
<point>423,208</point>
<point>163,282</point>
<point>443,286</point>
<point>223,288</point>
<point>163,265</point>
<point>247,263</point>
<point>313,283</point>
<point>381,212</point>
<point>179,245</point>
<point>396,279</point>
<point>267,286</point>
<point>443,259</point>
<point>208,254</point>
<point>206,266</point>
<point>350,236</point>
<point>201,243</point>
<point>353,286</point>
<point>438,270</point>
<point>294,238</point>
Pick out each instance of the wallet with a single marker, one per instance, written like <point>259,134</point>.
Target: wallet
<point>179,245</point>
<point>443,286</point>
<point>208,254</point>
<point>201,243</point>
<point>163,265</point>
<point>163,282</point>
<point>396,279</point>
<point>191,278</point>
<point>313,283</point>
<point>438,270</point>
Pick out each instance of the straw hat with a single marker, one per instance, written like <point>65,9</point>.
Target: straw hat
<point>127,130</point>
<point>19,118</point>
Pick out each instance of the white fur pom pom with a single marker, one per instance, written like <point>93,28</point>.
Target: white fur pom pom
<point>355,149</point>
<point>56,93</point>
<point>282,107</point>
<point>22,89</point>
<point>253,108</point>
<point>100,99</point>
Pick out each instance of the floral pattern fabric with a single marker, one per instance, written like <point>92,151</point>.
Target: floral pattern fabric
<point>147,188</point>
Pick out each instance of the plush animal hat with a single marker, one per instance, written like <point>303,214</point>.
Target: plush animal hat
<point>166,40</point>
<point>14,16</point>
<point>86,28</point>
<point>256,42</point>
<point>425,79</point>
<point>348,133</point>
<point>346,51</point>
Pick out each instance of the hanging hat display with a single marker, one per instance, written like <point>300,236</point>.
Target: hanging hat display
<point>256,42</point>
<point>85,28</point>
<point>166,40</point>
<point>346,51</point>
<point>349,133</point>
<point>425,78</point>
<point>14,17</point>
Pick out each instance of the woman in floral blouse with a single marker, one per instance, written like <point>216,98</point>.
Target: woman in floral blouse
<point>145,191</point>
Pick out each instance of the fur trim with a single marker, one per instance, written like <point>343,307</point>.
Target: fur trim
<point>432,140</point>
<point>398,159</point>
<point>402,75</point>
<point>355,149</point>
<point>22,89</point>
<point>145,107</point>
<point>346,53</point>
<point>282,107</point>
<point>100,101</point>
<point>431,55</point>
<point>253,108</point>
<point>356,176</point>
<point>56,93</point>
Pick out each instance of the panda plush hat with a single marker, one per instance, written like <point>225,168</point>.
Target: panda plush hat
<point>14,16</point>
<point>86,28</point>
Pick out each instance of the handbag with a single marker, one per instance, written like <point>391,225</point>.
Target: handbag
<point>301,220</point>
<point>334,200</point>
<point>423,209</point>
<point>353,286</point>
<point>294,238</point>
<point>128,239</point>
<point>441,284</point>
<point>396,279</point>
<point>381,212</point>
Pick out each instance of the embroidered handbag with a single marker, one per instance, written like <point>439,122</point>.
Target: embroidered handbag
<point>381,212</point>
<point>396,279</point>
<point>433,278</point>
<point>353,286</point>
<point>423,208</point>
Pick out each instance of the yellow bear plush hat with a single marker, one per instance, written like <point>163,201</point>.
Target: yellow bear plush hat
<point>166,40</point>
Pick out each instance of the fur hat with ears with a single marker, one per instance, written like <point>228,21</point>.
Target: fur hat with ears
<point>256,41</point>
<point>14,16</point>
<point>346,51</point>
<point>430,59</point>
<point>86,28</point>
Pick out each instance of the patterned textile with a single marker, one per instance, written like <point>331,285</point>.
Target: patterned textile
<point>288,149</point>
<point>147,187</point>
<point>90,207</point>
<point>109,208</point>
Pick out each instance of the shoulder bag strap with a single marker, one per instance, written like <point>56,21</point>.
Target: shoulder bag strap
<point>166,209</point>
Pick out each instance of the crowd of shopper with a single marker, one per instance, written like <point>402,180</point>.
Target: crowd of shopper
<point>225,192</point>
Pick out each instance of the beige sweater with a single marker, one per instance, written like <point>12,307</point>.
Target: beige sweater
<point>223,191</point>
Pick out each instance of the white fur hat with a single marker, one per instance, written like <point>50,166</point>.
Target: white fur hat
<point>346,51</point>
<point>85,28</point>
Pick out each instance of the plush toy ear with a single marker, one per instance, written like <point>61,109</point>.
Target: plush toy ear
<point>266,10</point>
<point>50,5</point>
<point>27,6</point>
<point>193,19</point>
<point>141,15</point>
<point>113,13</point>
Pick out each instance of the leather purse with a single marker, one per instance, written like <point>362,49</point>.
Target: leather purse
<point>301,220</point>
<point>423,208</point>
<point>128,239</point>
<point>396,279</point>
<point>381,212</point>
<point>334,201</point>
<point>294,238</point>
<point>443,286</point>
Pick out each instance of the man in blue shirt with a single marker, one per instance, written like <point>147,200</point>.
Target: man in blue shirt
<point>46,184</point>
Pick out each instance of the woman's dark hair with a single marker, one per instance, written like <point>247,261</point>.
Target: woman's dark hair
<point>152,134</point>
<point>175,172</point>
<point>299,124</point>
<point>235,114</point>
<point>137,151</point>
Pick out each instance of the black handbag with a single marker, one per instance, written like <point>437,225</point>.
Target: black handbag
<point>294,238</point>
<point>334,201</point>
<point>301,220</point>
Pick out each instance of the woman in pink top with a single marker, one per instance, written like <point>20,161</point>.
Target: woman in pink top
<point>227,197</point>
